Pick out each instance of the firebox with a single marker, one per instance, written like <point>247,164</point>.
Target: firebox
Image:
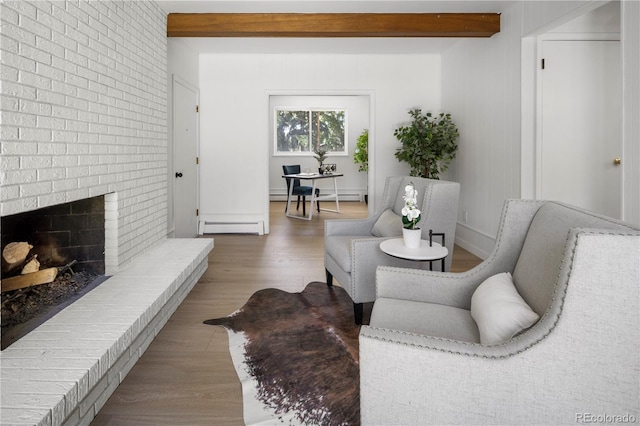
<point>50,258</point>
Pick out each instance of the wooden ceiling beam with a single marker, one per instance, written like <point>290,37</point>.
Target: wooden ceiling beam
<point>333,24</point>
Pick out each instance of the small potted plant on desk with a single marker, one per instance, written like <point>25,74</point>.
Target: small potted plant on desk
<point>320,155</point>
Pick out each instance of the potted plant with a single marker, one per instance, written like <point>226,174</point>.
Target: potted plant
<point>429,143</point>
<point>411,216</point>
<point>361,155</point>
<point>320,154</point>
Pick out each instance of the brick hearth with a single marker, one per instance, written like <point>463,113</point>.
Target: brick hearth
<point>65,370</point>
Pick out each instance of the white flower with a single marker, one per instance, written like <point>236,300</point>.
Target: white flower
<point>410,211</point>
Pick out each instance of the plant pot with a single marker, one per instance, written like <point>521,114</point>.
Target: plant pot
<point>411,237</point>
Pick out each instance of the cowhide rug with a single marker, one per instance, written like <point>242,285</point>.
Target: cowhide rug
<point>297,356</point>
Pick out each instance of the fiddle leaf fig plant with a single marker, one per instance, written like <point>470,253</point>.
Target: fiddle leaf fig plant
<point>361,153</point>
<point>429,143</point>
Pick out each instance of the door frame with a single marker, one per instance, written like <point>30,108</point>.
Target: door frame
<point>178,80</point>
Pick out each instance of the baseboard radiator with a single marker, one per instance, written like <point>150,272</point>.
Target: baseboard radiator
<point>250,227</point>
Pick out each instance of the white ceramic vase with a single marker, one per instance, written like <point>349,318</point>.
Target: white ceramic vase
<point>411,237</point>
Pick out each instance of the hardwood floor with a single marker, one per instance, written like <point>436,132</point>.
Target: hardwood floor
<point>186,376</point>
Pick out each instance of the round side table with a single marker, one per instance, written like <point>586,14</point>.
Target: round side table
<point>395,247</point>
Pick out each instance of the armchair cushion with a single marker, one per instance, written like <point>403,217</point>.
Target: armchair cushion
<point>434,320</point>
<point>388,224</point>
<point>499,311</point>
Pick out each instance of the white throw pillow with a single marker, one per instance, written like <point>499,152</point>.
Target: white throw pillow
<point>388,224</point>
<point>499,311</point>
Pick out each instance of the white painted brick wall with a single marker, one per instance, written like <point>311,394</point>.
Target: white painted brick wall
<point>84,111</point>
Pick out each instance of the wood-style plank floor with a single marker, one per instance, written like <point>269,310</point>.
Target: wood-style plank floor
<point>186,376</point>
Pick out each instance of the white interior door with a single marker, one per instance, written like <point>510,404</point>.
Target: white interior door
<point>185,150</point>
<point>581,125</point>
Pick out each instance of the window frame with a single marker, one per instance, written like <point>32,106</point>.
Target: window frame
<point>309,110</point>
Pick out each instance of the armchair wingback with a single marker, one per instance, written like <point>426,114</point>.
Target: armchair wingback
<point>421,360</point>
<point>352,246</point>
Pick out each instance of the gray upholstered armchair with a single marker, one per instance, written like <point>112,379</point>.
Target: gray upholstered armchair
<point>427,356</point>
<point>352,246</point>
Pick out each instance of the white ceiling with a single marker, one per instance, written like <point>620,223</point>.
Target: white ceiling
<point>319,6</point>
<point>319,45</point>
<point>326,45</point>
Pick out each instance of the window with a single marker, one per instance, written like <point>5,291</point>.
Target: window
<point>304,131</point>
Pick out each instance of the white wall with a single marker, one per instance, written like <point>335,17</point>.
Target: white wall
<point>84,113</point>
<point>234,93</point>
<point>357,112</point>
<point>482,88</point>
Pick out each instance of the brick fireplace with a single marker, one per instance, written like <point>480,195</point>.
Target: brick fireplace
<point>83,127</point>
<point>84,115</point>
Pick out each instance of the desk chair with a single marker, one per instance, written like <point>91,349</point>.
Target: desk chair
<point>299,190</point>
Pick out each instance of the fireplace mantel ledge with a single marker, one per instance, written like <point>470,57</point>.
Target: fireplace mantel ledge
<point>64,371</point>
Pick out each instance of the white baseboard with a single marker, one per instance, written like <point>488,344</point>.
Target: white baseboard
<point>474,241</point>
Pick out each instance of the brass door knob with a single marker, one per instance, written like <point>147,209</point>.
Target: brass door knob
<point>617,161</point>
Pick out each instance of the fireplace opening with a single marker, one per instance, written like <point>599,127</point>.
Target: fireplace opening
<point>50,258</point>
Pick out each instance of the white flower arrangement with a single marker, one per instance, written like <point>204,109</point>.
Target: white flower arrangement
<point>410,212</point>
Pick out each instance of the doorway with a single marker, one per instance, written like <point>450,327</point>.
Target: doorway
<point>589,23</point>
<point>185,154</point>
<point>358,108</point>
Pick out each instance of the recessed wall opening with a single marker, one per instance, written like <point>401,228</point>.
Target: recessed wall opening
<point>357,109</point>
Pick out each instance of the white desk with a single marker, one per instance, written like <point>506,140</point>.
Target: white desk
<point>395,247</point>
<point>313,177</point>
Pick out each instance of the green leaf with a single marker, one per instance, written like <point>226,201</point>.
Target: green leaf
<point>428,144</point>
